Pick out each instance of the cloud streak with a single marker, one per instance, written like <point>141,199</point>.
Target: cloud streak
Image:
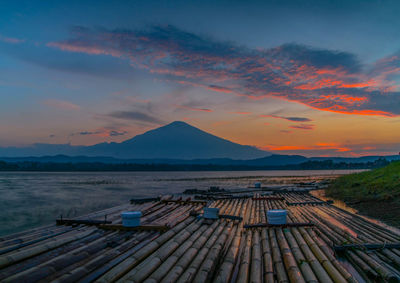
<point>102,132</point>
<point>291,119</point>
<point>11,40</point>
<point>303,127</point>
<point>317,147</point>
<point>136,116</point>
<point>326,80</point>
<point>194,108</point>
<point>61,104</point>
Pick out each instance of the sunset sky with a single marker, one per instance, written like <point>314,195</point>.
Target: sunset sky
<point>317,78</point>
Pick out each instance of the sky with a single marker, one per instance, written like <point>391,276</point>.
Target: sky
<point>316,78</point>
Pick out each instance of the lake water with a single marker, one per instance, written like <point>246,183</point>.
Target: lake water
<point>32,199</point>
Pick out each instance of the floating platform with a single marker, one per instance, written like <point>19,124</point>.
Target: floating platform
<point>320,243</point>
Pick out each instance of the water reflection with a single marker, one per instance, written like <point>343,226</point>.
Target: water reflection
<point>342,205</point>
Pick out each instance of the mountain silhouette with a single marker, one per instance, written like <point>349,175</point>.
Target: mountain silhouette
<point>177,140</point>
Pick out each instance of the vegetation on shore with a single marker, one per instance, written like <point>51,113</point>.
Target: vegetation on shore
<point>375,193</point>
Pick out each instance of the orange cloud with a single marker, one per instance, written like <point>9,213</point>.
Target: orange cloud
<point>322,79</point>
<point>318,146</point>
<point>93,50</point>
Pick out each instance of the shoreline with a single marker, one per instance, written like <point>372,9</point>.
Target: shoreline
<point>353,208</point>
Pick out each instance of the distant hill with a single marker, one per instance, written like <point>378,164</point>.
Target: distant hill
<point>177,140</point>
<point>175,143</point>
<point>272,160</point>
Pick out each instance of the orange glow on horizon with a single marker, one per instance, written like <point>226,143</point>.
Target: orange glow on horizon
<point>318,146</point>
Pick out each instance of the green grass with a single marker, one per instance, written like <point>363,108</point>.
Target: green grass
<point>375,193</point>
<point>378,184</point>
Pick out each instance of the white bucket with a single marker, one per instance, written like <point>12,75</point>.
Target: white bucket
<point>131,218</point>
<point>211,213</point>
<point>276,216</point>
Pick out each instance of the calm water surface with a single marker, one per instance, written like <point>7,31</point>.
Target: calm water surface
<point>31,199</point>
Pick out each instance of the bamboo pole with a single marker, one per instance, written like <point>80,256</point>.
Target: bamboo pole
<point>279,267</point>
<point>129,263</point>
<point>360,265</point>
<point>207,268</point>
<point>103,262</point>
<point>329,267</point>
<point>167,264</point>
<point>319,271</point>
<point>225,271</point>
<point>191,271</point>
<point>150,264</point>
<point>211,233</point>
<point>245,259</point>
<point>299,257</point>
<point>63,261</point>
<point>288,259</point>
<point>9,259</point>
<point>328,252</point>
<point>267,258</point>
<point>256,259</point>
<point>380,269</point>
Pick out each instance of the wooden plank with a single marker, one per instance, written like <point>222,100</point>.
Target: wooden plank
<point>88,222</point>
<point>368,246</point>
<point>232,217</point>
<point>143,200</point>
<point>287,225</point>
<point>268,198</point>
<point>120,227</point>
<point>307,203</point>
<point>185,202</point>
<point>225,216</point>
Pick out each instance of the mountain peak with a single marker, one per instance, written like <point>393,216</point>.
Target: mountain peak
<point>178,124</point>
<point>182,140</point>
<point>176,128</point>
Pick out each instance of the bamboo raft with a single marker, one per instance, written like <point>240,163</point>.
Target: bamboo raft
<point>195,250</point>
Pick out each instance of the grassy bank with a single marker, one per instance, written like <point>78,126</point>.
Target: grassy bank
<point>373,193</point>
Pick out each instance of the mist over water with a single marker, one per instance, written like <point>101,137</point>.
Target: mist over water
<point>32,199</point>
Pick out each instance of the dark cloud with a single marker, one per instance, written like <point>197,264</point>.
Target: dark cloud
<point>194,105</point>
<point>194,108</point>
<point>116,133</point>
<point>136,116</point>
<point>103,67</point>
<point>101,132</point>
<point>319,58</point>
<point>297,119</point>
<point>86,133</point>
<point>292,119</point>
<point>327,80</point>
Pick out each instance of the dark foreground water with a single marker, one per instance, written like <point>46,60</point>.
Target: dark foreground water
<point>31,199</point>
